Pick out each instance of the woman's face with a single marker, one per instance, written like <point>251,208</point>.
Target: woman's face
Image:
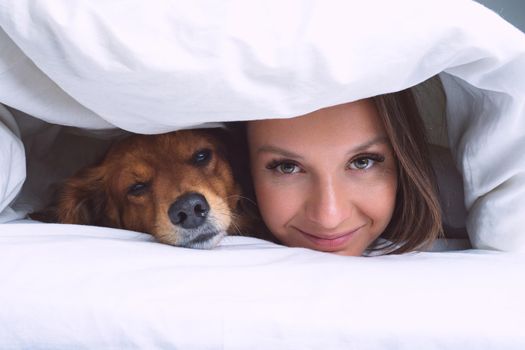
<point>326,180</point>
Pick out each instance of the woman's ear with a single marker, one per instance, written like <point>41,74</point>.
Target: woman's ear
<point>83,199</point>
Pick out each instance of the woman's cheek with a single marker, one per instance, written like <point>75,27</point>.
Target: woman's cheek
<point>277,203</point>
<point>380,199</point>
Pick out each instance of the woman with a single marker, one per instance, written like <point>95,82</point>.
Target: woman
<point>340,178</point>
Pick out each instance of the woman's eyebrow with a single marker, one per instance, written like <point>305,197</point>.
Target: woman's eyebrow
<point>381,139</point>
<point>278,150</point>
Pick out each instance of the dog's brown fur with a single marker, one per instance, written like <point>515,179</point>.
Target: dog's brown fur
<point>140,178</point>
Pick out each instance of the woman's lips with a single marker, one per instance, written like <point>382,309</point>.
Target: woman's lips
<point>329,242</point>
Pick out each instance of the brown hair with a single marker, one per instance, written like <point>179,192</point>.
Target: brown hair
<point>416,221</point>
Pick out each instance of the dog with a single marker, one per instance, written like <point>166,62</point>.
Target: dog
<point>179,187</point>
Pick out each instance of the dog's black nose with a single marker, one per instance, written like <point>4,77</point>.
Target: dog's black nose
<point>189,210</point>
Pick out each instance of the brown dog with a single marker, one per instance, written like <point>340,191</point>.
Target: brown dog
<point>178,187</point>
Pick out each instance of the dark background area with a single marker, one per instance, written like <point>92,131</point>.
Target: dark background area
<point>512,10</point>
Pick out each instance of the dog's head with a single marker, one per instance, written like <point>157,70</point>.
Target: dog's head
<point>179,187</point>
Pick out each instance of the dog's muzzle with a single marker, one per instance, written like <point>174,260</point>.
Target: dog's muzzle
<point>190,213</point>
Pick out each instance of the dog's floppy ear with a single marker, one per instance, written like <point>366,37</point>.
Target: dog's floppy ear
<point>84,200</point>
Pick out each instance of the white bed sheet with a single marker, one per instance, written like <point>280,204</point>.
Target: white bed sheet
<point>66,286</point>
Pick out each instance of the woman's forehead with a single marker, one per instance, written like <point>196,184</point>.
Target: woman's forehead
<point>350,123</point>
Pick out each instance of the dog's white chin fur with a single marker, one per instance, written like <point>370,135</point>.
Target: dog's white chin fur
<point>210,243</point>
<point>195,240</point>
<point>206,236</point>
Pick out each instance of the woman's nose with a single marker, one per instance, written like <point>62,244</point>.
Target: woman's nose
<point>328,205</point>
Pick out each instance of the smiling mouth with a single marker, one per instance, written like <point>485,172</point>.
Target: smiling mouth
<point>332,242</point>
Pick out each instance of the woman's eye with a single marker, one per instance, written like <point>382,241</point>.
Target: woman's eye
<point>284,167</point>
<point>138,189</point>
<point>364,163</point>
<point>288,168</point>
<point>201,157</point>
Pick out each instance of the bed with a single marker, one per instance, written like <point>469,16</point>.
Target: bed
<point>76,74</point>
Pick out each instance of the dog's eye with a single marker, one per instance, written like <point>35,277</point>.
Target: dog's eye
<point>201,157</point>
<point>138,189</point>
